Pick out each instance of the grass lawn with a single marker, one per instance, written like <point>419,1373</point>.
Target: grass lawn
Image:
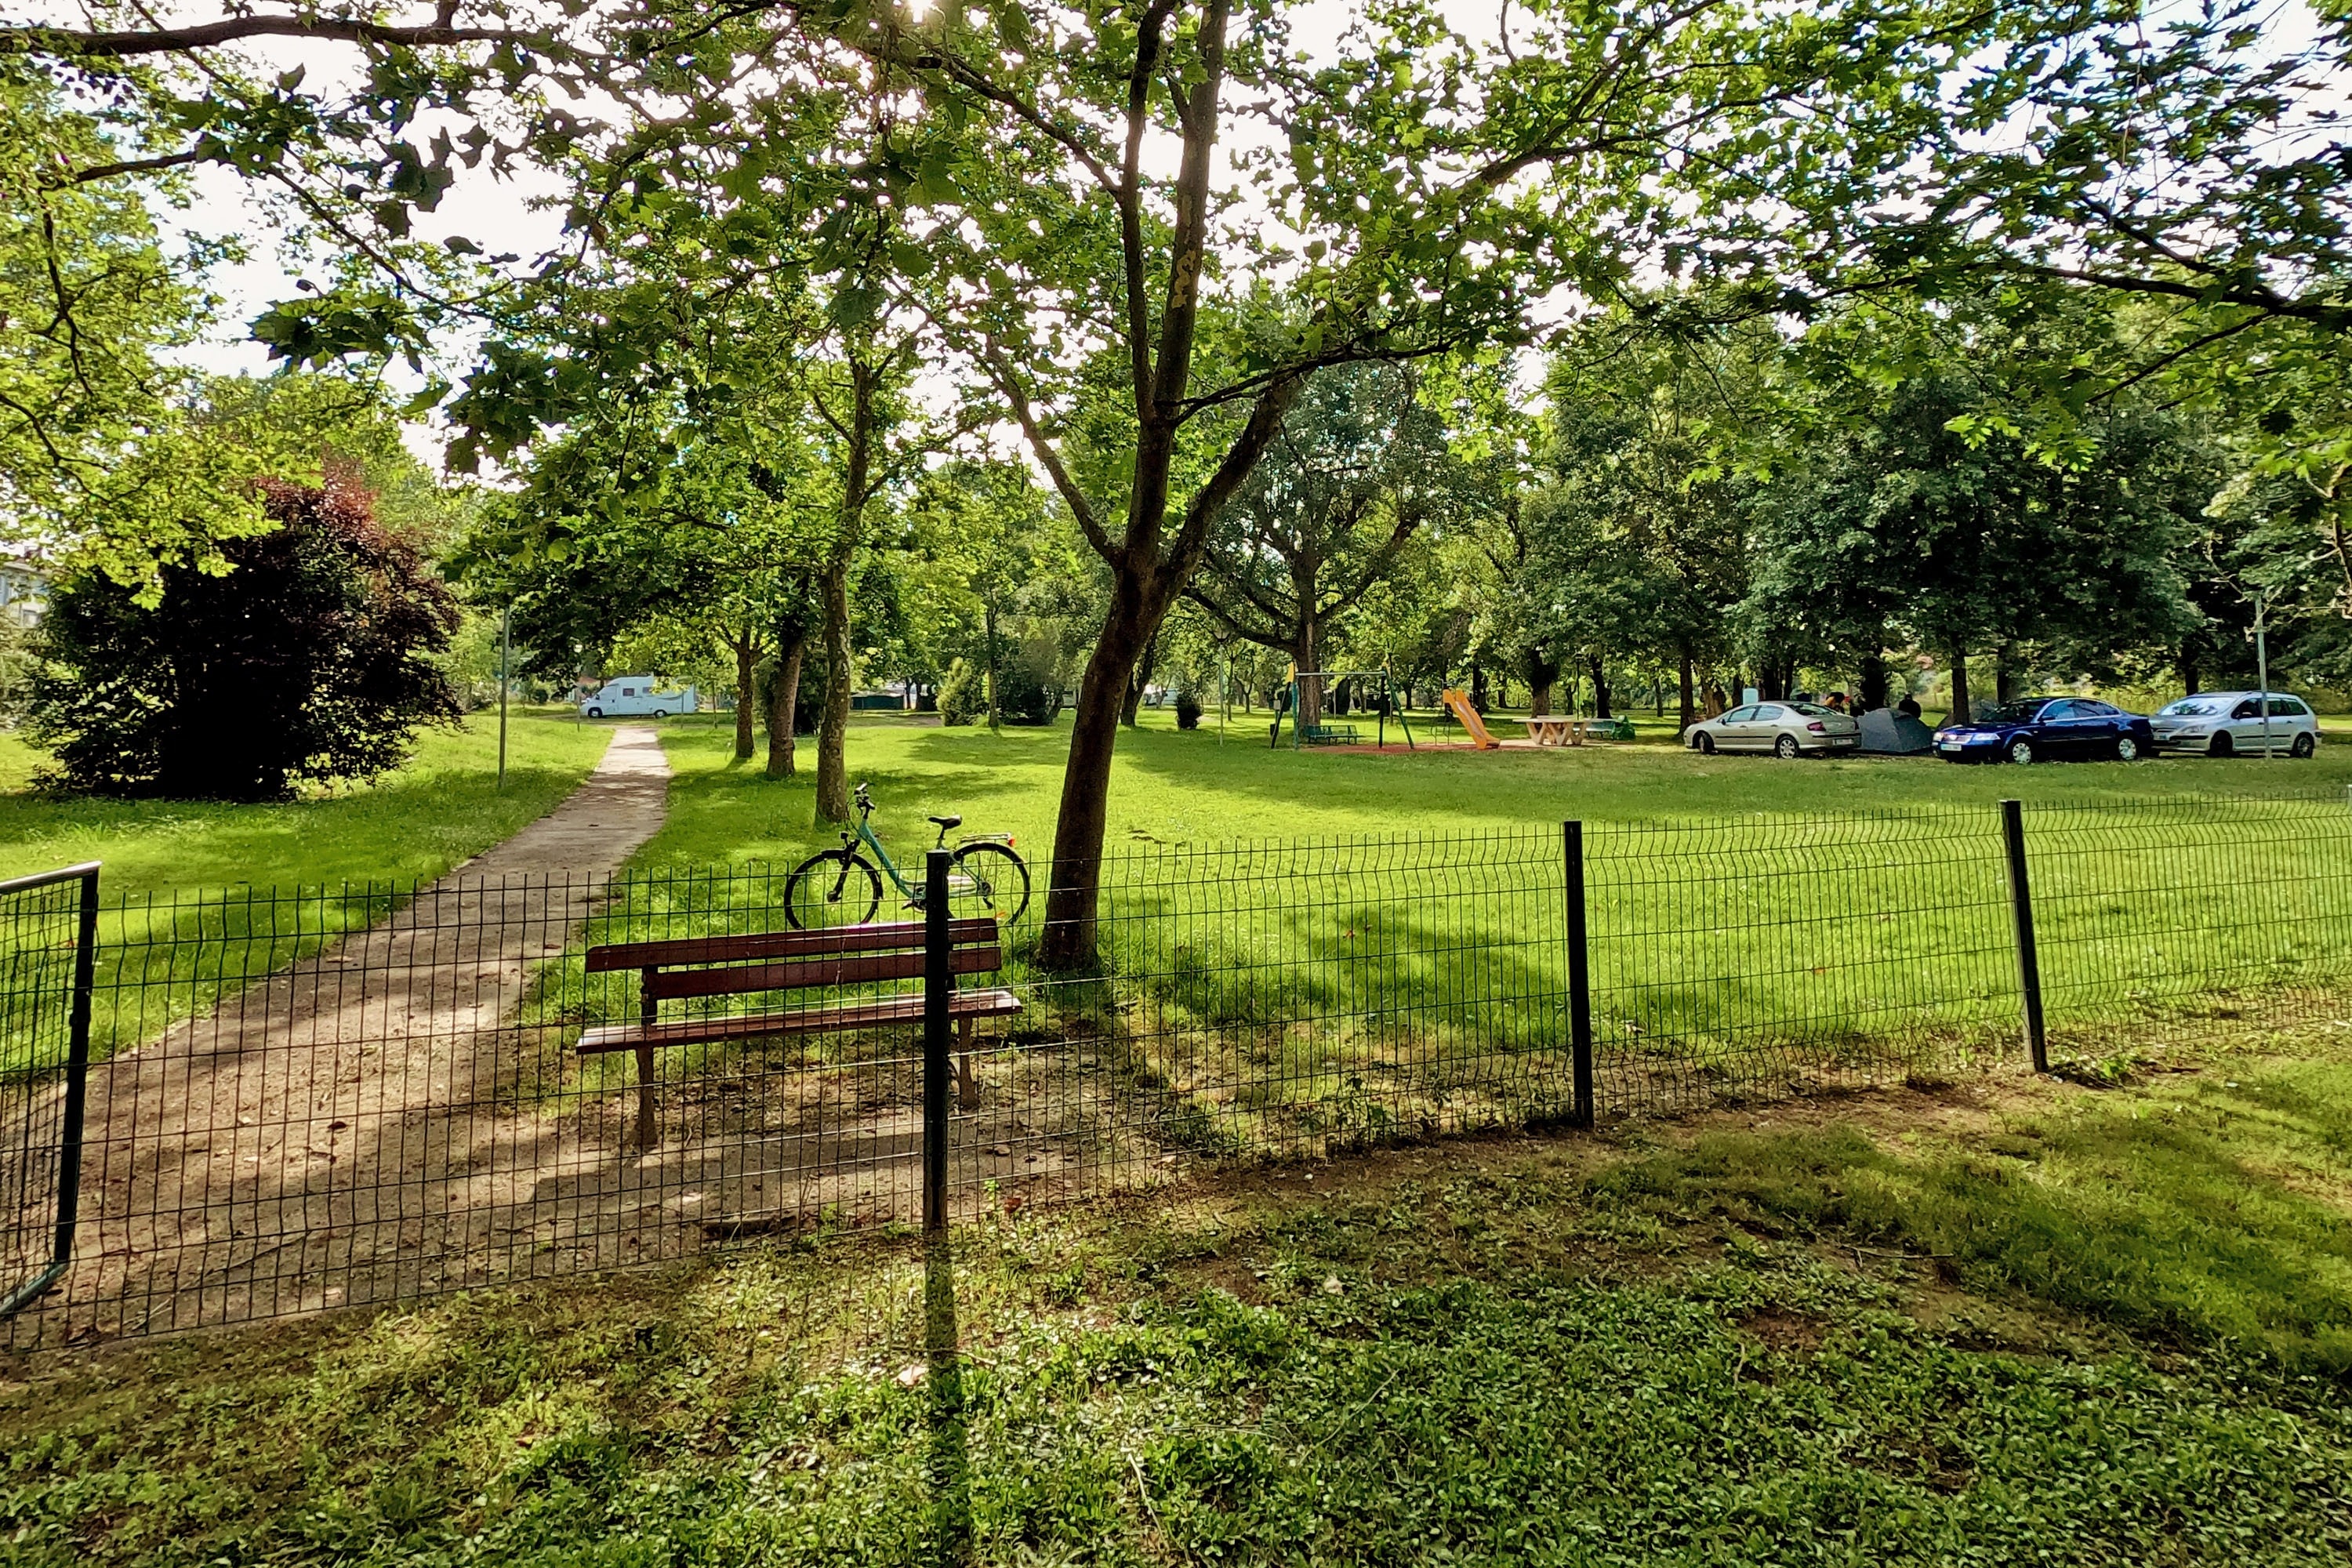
<point>414,823</point>
<point>1176,787</point>
<point>1996,1322</point>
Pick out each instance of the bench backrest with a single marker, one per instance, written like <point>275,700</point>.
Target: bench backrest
<point>797,960</point>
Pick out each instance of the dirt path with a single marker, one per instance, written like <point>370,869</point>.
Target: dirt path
<point>230,1165</point>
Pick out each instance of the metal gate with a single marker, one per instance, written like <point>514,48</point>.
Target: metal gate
<point>49,933</point>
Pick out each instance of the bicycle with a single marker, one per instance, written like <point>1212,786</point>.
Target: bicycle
<point>842,886</point>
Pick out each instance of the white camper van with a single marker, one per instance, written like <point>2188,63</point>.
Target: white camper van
<point>637,696</point>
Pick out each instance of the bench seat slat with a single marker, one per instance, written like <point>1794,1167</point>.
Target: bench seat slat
<point>871,1013</point>
<point>780,944</point>
<point>808,974</point>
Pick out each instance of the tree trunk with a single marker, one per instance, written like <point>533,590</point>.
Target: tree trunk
<point>1542,674</point>
<point>1688,697</point>
<point>784,700</point>
<point>832,731</point>
<point>747,659</point>
<point>1130,710</point>
<point>2004,673</point>
<point>1067,940</point>
<point>1961,712</point>
<point>995,714</point>
<point>1872,689</point>
<point>2189,668</point>
<point>1600,689</point>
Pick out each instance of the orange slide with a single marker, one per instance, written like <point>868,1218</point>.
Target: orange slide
<point>1457,702</point>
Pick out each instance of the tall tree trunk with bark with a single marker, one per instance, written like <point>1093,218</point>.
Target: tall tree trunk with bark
<point>2189,668</point>
<point>1543,672</point>
<point>1689,696</point>
<point>1961,711</point>
<point>1872,689</point>
<point>832,803</point>
<point>784,699</point>
<point>1130,711</point>
<point>2004,673</point>
<point>1600,687</point>
<point>746,649</point>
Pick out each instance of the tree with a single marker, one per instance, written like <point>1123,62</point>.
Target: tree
<point>1922,513</point>
<point>310,658</point>
<point>1360,467</point>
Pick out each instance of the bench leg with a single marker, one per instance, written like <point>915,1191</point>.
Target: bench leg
<point>967,1088</point>
<point>645,1098</point>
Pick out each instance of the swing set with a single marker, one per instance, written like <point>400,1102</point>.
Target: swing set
<point>1324,733</point>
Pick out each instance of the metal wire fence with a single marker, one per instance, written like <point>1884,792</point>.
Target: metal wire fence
<point>309,1098</point>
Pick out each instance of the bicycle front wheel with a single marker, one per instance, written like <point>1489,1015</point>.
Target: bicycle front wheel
<point>990,881</point>
<point>832,888</point>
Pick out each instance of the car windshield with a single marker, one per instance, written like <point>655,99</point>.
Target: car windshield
<point>1810,709</point>
<point>2193,707</point>
<point>2016,712</point>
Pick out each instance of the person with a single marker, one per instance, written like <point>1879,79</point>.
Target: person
<point>1908,707</point>
<point>1837,702</point>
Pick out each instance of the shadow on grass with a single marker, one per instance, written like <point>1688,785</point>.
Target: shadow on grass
<point>2218,1220</point>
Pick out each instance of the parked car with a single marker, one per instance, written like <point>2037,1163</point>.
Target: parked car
<point>2048,729</point>
<point>2226,723</point>
<point>1787,728</point>
<point>638,696</point>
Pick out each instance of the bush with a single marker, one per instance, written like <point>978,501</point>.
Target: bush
<point>1188,710</point>
<point>963,695</point>
<point>1025,696</point>
<point>313,657</point>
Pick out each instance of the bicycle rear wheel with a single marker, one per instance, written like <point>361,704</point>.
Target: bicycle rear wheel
<point>990,879</point>
<point>832,888</point>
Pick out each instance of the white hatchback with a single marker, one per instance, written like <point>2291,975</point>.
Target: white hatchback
<point>2232,723</point>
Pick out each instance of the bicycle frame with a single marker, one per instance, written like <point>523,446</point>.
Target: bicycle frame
<point>865,835</point>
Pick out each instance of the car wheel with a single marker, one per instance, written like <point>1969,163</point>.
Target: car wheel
<point>595,713</point>
<point>661,712</point>
<point>1707,745</point>
<point>2221,747</point>
<point>2303,745</point>
<point>2020,751</point>
<point>1786,746</point>
<point>2126,748</point>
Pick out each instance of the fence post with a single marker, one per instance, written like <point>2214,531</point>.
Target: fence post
<point>2029,958</point>
<point>1579,971</point>
<point>85,984</point>
<point>938,985</point>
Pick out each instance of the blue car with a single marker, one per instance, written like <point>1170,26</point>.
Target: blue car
<point>2047,729</point>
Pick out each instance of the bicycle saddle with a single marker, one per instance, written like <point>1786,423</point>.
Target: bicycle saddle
<point>948,822</point>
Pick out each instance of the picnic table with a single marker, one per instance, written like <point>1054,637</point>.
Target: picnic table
<point>1559,730</point>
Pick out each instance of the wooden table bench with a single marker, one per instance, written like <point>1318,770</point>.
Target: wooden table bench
<point>1330,736</point>
<point>791,961</point>
<point>1558,731</point>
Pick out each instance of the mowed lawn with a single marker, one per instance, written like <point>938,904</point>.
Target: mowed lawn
<point>444,806</point>
<point>2016,1323</point>
<point>1176,787</point>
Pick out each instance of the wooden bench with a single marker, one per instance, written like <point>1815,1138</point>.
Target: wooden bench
<point>1329,735</point>
<point>791,961</point>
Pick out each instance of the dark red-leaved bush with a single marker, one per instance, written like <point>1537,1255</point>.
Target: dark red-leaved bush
<point>310,658</point>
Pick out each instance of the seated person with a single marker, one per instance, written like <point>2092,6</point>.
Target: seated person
<point>1837,702</point>
<point>1908,707</point>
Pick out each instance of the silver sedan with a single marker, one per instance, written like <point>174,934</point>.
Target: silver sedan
<point>1786,728</point>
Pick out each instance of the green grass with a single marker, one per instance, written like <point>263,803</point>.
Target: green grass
<point>412,824</point>
<point>1169,787</point>
<point>2047,1325</point>
<point>1768,923</point>
<point>200,897</point>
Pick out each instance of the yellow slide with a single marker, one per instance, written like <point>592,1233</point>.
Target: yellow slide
<point>1458,702</point>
